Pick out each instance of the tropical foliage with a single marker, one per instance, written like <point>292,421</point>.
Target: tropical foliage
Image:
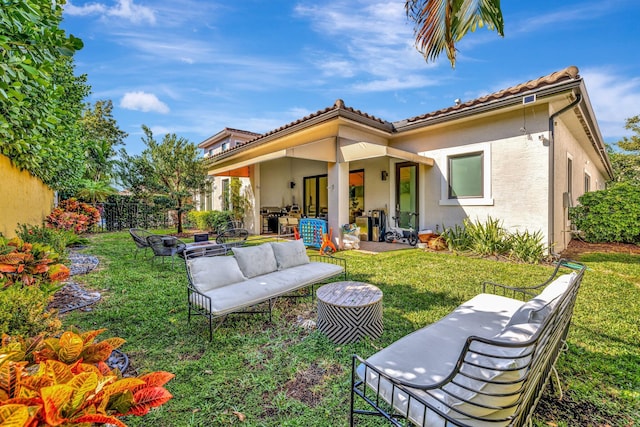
<point>73,215</point>
<point>40,98</point>
<point>440,24</point>
<point>171,167</point>
<point>490,238</point>
<point>209,220</point>
<point>65,381</point>
<point>29,264</point>
<point>611,215</point>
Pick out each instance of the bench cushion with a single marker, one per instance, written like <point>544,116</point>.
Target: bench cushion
<point>255,260</point>
<point>252,291</point>
<point>290,254</point>
<point>428,355</point>
<point>537,309</point>
<point>213,272</point>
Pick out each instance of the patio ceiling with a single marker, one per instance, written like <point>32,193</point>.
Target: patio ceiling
<point>352,151</point>
<point>322,151</point>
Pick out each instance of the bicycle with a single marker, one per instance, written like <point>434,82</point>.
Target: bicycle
<point>397,234</point>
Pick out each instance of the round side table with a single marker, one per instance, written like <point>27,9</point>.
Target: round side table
<point>348,311</point>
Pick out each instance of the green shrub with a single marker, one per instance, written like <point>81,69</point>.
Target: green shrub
<point>456,238</point>
<point>487,238</point>
<point>23,311</point>
<point>527,247</point>
<point>490,238</point>
<point>611,215</point>
<point>209,220</point>
<point>58,239</point>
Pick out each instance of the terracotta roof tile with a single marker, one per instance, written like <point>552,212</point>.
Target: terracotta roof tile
<point>568,73</point>
<point>338,105</point>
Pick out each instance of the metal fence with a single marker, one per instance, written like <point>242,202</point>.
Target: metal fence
<point>124,215</point>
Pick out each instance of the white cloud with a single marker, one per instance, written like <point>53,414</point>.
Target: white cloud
<point>124,9</point>
<point>614,98</point>
<point>142,101</point>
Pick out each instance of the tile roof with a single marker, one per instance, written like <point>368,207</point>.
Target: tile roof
<point>569,73</point>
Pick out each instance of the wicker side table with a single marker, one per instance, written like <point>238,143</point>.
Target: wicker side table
<point>348,311</point>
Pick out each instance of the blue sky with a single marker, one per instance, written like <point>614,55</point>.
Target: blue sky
<point>193,67</point>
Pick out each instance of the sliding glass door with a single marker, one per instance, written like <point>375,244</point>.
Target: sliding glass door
<point>406,194</point>
<point>316,200</point>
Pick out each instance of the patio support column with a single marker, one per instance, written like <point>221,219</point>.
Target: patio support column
<point>254,177</point>
<point>338,195</point>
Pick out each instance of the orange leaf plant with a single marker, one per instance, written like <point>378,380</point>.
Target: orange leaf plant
<point>65,381</point>
<point>29,264</point>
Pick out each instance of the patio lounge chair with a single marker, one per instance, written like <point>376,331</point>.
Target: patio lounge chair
<point>233,238</point>
<point>139,236</point>
<point>165,246</point>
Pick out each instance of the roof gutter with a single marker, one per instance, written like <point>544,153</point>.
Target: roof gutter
<point>552,166</point>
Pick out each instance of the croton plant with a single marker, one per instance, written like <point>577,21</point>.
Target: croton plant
<point>29,264</point>
<point>74,216</point>
<point>65,381</point>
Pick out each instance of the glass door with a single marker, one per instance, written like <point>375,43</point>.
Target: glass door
<point>316,196</point>
<point>406,194</point>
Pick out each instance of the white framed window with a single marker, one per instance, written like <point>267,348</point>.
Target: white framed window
<point>225,146</point>
<point>466,177</point>
<point>587,182</point>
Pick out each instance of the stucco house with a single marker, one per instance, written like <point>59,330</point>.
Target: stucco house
<point>522,155</point>
<point>216,196</point>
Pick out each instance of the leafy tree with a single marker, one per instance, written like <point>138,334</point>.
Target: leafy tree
<point>626,164</point>
<point>40,98</point>
<point>440,24</point>
<point>100,135</point>
<point>172,168</point>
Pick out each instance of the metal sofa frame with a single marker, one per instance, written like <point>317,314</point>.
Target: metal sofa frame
<point>538,361</point>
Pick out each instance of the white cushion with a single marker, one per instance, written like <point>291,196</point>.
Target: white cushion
<point>497,364</point>
<point>256,260</point>
<point>290,254</point>
<point>538,309</point>
<point>213,272</point>
<point>557,287</point>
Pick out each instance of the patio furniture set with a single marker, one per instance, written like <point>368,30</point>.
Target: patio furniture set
<point>487,363</point>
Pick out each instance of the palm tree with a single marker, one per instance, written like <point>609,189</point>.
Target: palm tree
<point>439,24</point>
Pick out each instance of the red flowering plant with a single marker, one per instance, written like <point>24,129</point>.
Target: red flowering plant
<point>73,215</point>
<point>65,381</point>
<point>30,264</point>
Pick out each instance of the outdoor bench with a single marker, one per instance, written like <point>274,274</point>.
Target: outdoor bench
<point>485,364</point>
<point>253,275</point>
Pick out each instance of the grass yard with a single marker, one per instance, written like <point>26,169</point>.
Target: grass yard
<point>256,373</point>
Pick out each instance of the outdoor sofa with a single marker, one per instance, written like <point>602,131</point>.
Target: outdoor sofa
<point>485,364</point>
<point>253,275</point>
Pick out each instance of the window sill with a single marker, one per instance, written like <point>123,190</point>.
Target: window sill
<point>466,202</point>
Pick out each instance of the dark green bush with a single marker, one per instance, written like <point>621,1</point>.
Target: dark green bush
<point>611,215</point>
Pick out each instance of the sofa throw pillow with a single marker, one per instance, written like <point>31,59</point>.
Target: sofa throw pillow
<point>290,254</point>
<point>525,313</point>
<point>255,260</point>
<point>213,272</point>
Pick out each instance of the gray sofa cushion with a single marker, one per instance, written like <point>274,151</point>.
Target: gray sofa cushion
<point>213,272</point>
<point>256,260</point>
<point>290,254</point>
<point>257,289</point>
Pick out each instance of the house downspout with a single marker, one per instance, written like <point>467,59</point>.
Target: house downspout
<point>552,168</point>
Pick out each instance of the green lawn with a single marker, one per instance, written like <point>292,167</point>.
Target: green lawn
<point>281,374</point>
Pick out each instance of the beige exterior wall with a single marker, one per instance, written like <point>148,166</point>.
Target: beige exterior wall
<point>584,162</point>
<point>516,170</point>
<point>25,199</point>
